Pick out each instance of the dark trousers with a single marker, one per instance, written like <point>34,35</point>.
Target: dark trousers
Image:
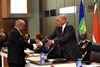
<point>16,65</point>
<point>64,56</point>
<point>61,54</point>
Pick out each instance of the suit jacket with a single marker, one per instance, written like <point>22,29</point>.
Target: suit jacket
<point>71,48</point>
<point>84,46</point>
<point>16,45</point>
<point>42,49</point>
<point>32,41</point>
<point>1,41</point>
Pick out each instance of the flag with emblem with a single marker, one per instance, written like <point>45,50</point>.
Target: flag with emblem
<point>96,30</point>
<point>82,24</point>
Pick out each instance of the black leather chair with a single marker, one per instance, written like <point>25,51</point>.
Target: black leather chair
<point>95,52</point>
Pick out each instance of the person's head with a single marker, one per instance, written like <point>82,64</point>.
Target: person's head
<point>84,35</point>
<point>61,20</point>
<point>1,30</point>
<point>20,24</point>
<point>4,36</point>
<point>39,37</point>
<point>27,36</point>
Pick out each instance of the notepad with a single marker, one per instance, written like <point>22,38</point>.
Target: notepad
<point>66,65</point>
<point>33,58</point>
<point>28,51</point>
<point>90,65</point>
<point>36,54</point>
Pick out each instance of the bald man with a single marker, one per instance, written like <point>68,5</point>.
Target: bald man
<point>65,46</point>
<point>16,45</point>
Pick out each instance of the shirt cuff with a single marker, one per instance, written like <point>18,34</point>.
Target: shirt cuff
<point>34,45</point>
<point>41,43</point>
<point>52,41</point>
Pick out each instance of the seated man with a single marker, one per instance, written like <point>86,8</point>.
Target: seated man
<point>28,39</point>
<point>84,44</point>
<point>3,38</point>
<point>3,41</point>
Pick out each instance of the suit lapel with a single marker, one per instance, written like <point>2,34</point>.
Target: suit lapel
<point>65,29</point>
<point>58,31</point>
<point>18,33</point>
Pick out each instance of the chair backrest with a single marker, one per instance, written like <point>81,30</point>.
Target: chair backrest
<point>95,47</point>
<point>95,52</point>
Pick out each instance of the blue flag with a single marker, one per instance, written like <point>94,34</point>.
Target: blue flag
<point>82,24</point>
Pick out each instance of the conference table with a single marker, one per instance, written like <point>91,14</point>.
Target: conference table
<point>34,61</point>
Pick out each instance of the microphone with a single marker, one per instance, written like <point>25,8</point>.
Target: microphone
<point>50,51</point>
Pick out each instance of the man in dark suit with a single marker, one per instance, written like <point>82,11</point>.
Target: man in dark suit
<point>66,39</point>
<point>16,45</point>
<point>84,45</point>
<point>28,39</point>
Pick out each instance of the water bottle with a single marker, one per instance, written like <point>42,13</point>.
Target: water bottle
<point>47,48</point>
<point>78,63</point>
<point>42,58</point>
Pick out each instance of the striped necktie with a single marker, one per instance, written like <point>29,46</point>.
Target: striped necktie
<point>61,34</point>
<point>20,33</point>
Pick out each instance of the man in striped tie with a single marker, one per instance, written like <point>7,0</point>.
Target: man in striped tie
<point>66,40</point>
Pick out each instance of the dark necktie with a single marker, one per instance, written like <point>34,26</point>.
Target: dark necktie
<point>61,34</point>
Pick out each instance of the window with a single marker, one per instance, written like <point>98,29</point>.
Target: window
<point>18,6</point>
<point>67,10</point>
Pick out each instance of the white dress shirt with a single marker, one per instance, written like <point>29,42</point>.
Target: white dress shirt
<point>34,45</point>
<point>63,27</point>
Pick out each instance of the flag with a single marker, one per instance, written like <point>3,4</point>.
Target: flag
<point>96,30</point>
<point>82,24</point>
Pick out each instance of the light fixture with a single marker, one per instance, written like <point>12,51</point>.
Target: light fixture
<point>68,10</point>
<point>18,6</point>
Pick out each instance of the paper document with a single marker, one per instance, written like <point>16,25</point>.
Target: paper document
<point>33,58</point>
<point>28,51</point>
<point>66,65</point>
